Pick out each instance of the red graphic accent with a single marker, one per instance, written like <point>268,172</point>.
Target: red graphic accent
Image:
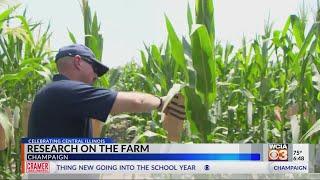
<point>22,158</point>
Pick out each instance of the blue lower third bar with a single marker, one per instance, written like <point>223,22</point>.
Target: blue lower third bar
<point>155,156</point>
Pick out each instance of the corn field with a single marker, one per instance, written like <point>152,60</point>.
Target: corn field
<point>266,90</point>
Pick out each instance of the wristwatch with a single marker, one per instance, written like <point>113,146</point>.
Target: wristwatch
<point>160,104</point>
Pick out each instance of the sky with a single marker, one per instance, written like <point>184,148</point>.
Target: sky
<point>127,24</point>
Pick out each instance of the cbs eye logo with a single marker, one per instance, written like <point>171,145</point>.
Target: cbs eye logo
<point>278,152</point>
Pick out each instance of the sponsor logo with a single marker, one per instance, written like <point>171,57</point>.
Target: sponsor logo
<point>38,167</point>
<point>278,152</point>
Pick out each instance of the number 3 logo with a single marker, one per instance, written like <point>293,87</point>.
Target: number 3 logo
<point>283,155</point>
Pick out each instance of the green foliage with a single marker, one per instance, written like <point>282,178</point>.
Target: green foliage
<point>204,65</point>
<point>25,67</point>
<point>205,15</point>
<point>243,90</point>
<point>127,78</point>
<point>192,64</point>
<point>93,37</point>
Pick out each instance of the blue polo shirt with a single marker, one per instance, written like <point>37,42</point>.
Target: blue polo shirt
<point>64,107</point>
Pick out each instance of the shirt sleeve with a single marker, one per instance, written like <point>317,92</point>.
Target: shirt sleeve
<point>92,102</point>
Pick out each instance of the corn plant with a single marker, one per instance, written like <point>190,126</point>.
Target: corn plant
<point>263,92</point>
<point>194,67</point>
<point>24,68</point>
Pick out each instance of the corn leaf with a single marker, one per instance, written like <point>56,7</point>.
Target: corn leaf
<point>5,14</point>
<point>314,30</point>
<point>313,130</point>
<point>72,37</point>
<point>197,114</point>
<point>204,15</point>
<point>190,19</point>
<point>26,27</point>
<point>297,29</point>
<point>203,63</point>
<point>176,46</point>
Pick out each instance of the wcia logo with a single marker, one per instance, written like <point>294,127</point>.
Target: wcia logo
<point>278,152</point>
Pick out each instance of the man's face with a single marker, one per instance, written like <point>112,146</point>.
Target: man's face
<point>86,70</point>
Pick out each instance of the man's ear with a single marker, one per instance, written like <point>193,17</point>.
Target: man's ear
<point>77,62</point>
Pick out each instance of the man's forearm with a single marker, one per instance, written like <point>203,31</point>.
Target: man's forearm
<point>135,102</point>
<point>146,102</point>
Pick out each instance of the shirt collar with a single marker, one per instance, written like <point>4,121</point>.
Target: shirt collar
<point>59,77</point>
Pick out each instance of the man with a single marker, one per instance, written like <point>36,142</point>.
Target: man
<point>64,107</point>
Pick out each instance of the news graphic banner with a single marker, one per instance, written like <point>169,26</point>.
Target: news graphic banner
<point>98,156</point>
